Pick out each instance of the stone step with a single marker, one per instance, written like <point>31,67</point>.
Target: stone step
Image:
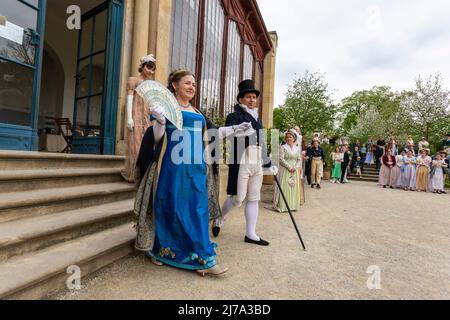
<point>353,178</point>
<point>24,180</point>
<point>42,273</point>
<point>368,175</point>
<point>17,160</point>
<point>371,170</point>
<point>37,233</point>
<point>27,204</point>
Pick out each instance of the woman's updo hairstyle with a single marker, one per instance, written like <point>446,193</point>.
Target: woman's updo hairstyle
<point>176,77</point>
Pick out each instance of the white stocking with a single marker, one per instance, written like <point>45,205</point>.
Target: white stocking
<point>251,216</point>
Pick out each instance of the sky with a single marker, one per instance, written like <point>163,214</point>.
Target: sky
<point>358,44</point>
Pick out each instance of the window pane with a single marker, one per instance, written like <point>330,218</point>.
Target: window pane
<point>90,84</point>
<point>98,71</point>
<point>248,62</point>
<point>19,14</point>
<point>24,52</point>
<point>95,113</point>
<point>233,67</point>
<point>185,17</point>
<point>80,123</point>
<point>33,2</point>
<point>212,58</point>
<point>16,91</point>
<point>20,23</point>
<point>101,21</point>
<point>86,38</point>
<point>83,78</point>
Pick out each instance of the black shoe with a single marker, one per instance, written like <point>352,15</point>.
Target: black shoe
<point>318,186</point>
<point>261,242</point>
<point>312,186</point>
<point>215,231</point>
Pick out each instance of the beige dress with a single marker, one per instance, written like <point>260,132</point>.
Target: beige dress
<point>423,173</point>
<point>141,118</point>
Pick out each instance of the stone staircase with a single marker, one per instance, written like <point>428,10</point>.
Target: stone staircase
<point>58,211</point>
<point>370,174</point>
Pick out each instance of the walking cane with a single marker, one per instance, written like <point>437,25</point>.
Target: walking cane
<point>290,213</point>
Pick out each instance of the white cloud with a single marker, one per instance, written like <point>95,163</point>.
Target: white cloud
<point>359,44</point>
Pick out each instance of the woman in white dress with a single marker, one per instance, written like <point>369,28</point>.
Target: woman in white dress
<point>408,174</point>
<point>437,174</point>
<point>396,171</point>
<point>369,156</point>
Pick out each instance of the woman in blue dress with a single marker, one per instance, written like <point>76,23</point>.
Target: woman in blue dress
<point>177,196</point>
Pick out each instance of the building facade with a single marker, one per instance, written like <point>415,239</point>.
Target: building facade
<point>50,69</point>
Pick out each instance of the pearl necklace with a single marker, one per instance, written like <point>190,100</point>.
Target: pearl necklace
<point>184,107</point>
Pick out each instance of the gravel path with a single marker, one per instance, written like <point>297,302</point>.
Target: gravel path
<point>346,228</point>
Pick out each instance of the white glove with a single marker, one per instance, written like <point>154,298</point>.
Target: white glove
<point>159,114</point>
<point>243,126</point>
<point>273,170</point>
<point>130,122</point>
<point>243,129</point>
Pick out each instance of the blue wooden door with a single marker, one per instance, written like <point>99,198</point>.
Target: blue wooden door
<point>21,45</point>
<point>97,85</point>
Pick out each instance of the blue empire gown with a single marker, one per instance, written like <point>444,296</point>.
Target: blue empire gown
<point>181,201</point>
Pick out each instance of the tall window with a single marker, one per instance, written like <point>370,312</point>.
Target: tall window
<point>212,58</point>
<point>18,55</point>
<point>248,63</point>
<point>259,81</point>
<point>233,67</point>
<point>185,18</point>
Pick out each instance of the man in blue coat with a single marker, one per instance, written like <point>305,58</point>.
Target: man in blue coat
<point>248,158</point>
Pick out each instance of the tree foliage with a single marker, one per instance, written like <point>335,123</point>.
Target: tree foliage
<point>380,111</point>
<point>429,106</point>
<point>309,105</point>
<point>381,114</point>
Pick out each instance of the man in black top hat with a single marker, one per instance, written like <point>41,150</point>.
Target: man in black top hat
<point>248,158</point>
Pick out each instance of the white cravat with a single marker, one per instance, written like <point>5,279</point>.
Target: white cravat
<point>253,112</point>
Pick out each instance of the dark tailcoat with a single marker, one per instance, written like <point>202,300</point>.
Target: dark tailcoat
<point>237,117</point>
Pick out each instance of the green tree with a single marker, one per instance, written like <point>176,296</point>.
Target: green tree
<point>309,105</point>
<point>279,120</point>
<point>379,98</point>
<point>429,106</point>
<point>375,112</point>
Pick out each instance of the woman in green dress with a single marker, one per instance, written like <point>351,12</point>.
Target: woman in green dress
<point>290,163</point>
<point>337,158</point>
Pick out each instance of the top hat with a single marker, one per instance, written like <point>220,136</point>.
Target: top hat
<point>247,86</point>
